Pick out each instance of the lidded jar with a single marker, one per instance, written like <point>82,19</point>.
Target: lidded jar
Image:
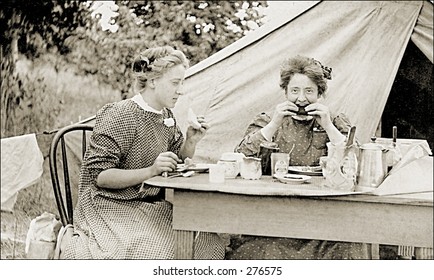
<point>231,163</point>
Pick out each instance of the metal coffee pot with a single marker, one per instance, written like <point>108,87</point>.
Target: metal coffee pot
<point>373,165</point>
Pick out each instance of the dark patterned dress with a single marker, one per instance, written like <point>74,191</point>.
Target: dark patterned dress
<point>126,223</point>
<point>310,144</point>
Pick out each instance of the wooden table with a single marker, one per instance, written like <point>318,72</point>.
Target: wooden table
<point>405,219</point>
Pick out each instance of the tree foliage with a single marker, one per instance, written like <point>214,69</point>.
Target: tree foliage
<point>39,25</point>
<point>32,28</point>
<point>198,28</point>
<point>71,32</point>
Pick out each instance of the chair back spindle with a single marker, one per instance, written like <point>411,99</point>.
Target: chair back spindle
<point>66,215</point>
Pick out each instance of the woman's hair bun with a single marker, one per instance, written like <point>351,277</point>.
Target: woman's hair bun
<point>327,71</point>
<point>141,64</point>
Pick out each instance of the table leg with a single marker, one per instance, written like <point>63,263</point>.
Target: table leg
<point>423,253</point>
<point>184,244</point>
<point>375,251</point>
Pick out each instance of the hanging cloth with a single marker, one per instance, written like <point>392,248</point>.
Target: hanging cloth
<point>21,167</point>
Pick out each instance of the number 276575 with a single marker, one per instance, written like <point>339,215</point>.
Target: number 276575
<point>267,270</point>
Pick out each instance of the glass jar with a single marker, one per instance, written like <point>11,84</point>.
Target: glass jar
<point>231,167</point>
<point>251,168</point>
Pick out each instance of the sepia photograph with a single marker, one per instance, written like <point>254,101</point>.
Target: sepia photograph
<point>225,139</point>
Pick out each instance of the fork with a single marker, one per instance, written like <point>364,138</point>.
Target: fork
<point>185,174</point>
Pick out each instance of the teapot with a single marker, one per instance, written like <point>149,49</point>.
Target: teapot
<point>373,165</point>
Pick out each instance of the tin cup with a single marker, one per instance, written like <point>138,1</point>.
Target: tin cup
<point>216,173</point>
<point>265,151</point>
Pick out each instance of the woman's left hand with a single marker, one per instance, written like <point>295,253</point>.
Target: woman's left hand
<point>321,113</point>
<point>195,135</point>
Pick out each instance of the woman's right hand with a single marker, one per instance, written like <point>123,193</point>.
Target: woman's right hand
<point>165,162</point>
<point>282,110</point>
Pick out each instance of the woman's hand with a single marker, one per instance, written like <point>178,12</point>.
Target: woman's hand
<point>165,162</point>
<point>115,178</point>
<point>282,110</point>
<point>321,113</point>
<point>195,135</point>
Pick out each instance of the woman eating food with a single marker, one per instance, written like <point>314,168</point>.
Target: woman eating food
<point>301,122</point>
<point>134,140</point>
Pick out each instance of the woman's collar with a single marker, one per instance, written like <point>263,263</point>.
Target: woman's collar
<point>138,98</point>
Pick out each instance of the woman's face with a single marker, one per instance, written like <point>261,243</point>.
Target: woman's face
<point>301,90</point>
<point>168,87</point>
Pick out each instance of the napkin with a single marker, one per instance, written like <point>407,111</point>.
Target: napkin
<point>415,152</point>
<point>412,177</point>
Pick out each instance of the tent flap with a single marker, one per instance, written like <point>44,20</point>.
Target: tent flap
<point>423,31</point>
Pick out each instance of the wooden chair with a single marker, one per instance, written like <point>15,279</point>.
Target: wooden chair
<point>66,213</point>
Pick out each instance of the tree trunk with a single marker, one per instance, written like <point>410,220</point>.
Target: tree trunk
<point>9,77</point>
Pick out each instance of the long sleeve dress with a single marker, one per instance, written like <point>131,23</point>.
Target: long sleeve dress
<point>126,223</point>
<point>309,141</point>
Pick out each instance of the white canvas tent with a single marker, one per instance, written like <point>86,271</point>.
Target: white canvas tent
<point>363,41</point>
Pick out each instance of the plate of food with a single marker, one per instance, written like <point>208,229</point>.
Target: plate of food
<point>306,170</point>
<point>292,178</point>
<point>197,167</point>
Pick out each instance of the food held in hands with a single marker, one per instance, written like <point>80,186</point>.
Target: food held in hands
<point>302,111</point>
<point>192,119</point>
